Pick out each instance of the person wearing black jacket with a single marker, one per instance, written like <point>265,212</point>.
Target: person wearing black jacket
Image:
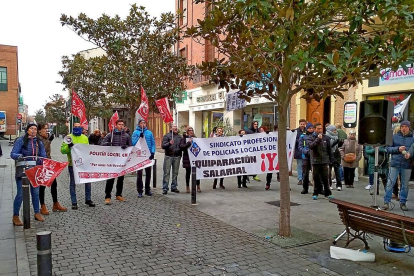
<point>254,128</point>
<point>184,145</point>
<point>171,145</point>
<point>304,149</point>
<point>298,155</point>
<point>320,156</point>
<point>95,137</point>
<point>119,138</point>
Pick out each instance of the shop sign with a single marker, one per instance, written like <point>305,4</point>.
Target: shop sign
<point>211,97</point>
<point>389,76</point>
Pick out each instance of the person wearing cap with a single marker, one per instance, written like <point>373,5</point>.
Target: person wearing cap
<point>142,131</point>
<point>77,138</point>
<point>350,146</point>
<point>304,140</point>
<point>402,151</point>
<point>27,145</point>
<point>332,133</point>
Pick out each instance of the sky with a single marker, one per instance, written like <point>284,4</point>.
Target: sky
<point>34,27</point>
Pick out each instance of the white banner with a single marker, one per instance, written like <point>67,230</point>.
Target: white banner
<point>234,102</point>
<point>97,163</point>
<point>231,156</point>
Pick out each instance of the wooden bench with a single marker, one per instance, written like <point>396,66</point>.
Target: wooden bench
<point>360,220</point>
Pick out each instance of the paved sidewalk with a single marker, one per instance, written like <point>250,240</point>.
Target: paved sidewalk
<point>166,235</point>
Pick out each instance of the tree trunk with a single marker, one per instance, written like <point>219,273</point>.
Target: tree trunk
<point>284,218</point>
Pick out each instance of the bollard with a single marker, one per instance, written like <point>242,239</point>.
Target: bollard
<point>26,202</point>
<point>193,186</point>
<point>154,174</point>
<point>44,253</point>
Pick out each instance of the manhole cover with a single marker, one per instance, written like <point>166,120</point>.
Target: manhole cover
<point>277,203</point>
<point>3,166</point>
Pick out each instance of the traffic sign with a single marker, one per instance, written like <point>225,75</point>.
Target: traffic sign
<point>19,121</point>
<point>19,116</point>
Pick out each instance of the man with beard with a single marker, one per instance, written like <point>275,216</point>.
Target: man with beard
<point>321,157</point>
<point>304,141</point>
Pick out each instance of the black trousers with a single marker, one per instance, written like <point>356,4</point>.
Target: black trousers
<point>187,177</point>
<point>215,181</point>
<point>53,191</point>
<point>306,167</point>
<point>140,184</point>
<point>337,175</point>
<point>320,179</point>
<point>349,175</point>
<point>110,185</point>
<point>242,180</point>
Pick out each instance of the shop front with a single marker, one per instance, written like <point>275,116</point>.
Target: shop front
<point>265,114</point>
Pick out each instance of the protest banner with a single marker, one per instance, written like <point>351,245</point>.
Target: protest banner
<point>96,163</point>
<point>43,175</point>
<point>231,156</point>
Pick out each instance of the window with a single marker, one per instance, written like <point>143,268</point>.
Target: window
<point>183,53</point>
<point>209,51</point>
<point>182,7</point>
<point>3,79</point>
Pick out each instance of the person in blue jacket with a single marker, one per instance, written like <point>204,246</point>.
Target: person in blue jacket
<point>143,132</point>
<point>401,154</point>
<point>27,145</point>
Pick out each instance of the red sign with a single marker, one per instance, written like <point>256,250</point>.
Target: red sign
<point>19,116</point>
<point>164,109</point>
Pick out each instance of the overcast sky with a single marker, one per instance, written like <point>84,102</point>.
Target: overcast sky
<point>34,27</point>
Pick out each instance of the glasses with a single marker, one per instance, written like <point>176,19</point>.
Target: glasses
<point>190,130</point>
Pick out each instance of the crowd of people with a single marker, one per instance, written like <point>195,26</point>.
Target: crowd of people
<point>315,151</point>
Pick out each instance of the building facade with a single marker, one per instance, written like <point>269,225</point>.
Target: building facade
<point>9,90</point>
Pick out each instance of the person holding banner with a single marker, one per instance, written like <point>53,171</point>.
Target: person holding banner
<point>76,138</point>
<point>27,145</point>
<point>117,138</point>
<point>171,145</point>
<point>219,133</point>
<point>184,145</point>
<point>143,132</point>
<point>47,140</point>
<point>254,128</point>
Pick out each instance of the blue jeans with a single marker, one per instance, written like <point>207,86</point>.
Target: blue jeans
<point>19,197</point>
<point>169,162</point>
<point>392,179</point>
<point>72,188</point>
<point>341,173</point>
<point>299,164</point>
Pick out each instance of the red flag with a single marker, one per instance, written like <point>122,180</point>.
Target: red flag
<point>114,118</point>
<point>143,109</point>
<point>78,109</point>
<point>43,175</point>
<point>164,109</point>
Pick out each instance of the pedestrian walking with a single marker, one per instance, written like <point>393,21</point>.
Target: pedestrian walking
<point>332,133</point>
<point>47,140</point>
<point>142,131</point>
<point>76,138</point>
<point>218,134</point>
<point>298,155</point>
<point>351,153</point>
<point>321,157</point>
<point>185,144</point>
<point>95,137</point>
<point>171,145</point>
<point>27,145</point>
<point>304,141</point>
<point>402,151</point>
<point>116,138</point>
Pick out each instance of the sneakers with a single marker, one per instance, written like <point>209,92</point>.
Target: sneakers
<point>148,193</point>
<point>107,201</point>
<point>334,180</point>
<point>331,188</point>
<point>58,208</point>
<point>329,197</point>
<point>39,217</point>
<point>175,191</point>
<point>315,197</point>
<point>300,182</point>
<point>120,198</point>
<point>368,187</point>
<point>90,203</point>
<point>386,206</point>
<point>43,210</point>
<point>339,188</point>
<point>267,187</point>
<point>17,221</point>
<point>222,187</point>
<point>140,195</point>
<point>164,192</point>
<point>304,192</point>
<point>256,178</point>
<point>403,207</point>
<point>74,206</point>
